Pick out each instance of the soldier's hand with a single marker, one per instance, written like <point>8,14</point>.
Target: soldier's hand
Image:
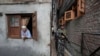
<point>63,37</point>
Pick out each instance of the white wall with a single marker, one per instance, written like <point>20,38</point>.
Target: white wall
<point>18,1</point>
<point>43,19</point>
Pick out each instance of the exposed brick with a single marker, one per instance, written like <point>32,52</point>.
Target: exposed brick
<point>88,23</point>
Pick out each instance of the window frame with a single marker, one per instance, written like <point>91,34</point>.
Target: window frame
<point>34,29</point>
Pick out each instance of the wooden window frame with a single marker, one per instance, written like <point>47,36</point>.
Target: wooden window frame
<point>34,30</point>
<point>72,15</point>
<point>80,7</point>
<point>34,26</point>
<point>75,11</point>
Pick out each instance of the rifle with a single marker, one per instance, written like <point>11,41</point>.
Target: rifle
<point>65,37</point>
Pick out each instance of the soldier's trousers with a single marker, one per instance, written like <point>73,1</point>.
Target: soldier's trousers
<point>60,48</point>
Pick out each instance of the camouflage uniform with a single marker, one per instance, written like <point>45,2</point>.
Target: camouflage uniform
<point>61,42</point>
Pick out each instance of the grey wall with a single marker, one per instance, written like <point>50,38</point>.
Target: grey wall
<point>30,47</point>
<point>22,1</point>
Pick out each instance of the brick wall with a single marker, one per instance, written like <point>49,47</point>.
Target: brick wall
<point>88,23</point>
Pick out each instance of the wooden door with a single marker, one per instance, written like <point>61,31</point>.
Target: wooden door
<point>34,26</point>
<point>14,26</point>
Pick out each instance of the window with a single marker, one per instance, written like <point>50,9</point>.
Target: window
<point>69,15</point>
<point>76,10</point>
<point>16,21</point>
<point>80,7</point>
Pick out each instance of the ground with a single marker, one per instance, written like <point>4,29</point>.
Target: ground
<point>53,49</point>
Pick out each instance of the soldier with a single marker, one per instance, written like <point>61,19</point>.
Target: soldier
<point>62,37</point>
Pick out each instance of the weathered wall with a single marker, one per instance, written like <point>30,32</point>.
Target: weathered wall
<point>88,23</point>
<point>30,47</point>
<point>22,1</point>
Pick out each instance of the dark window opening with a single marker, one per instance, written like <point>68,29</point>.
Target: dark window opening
<point>28,20</point>
<point>29,26</point>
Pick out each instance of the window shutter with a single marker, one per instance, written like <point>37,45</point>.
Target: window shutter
<point>69,15</point>
<point>34,27</point>
<point>14,26</point>
<point>81,7</point>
